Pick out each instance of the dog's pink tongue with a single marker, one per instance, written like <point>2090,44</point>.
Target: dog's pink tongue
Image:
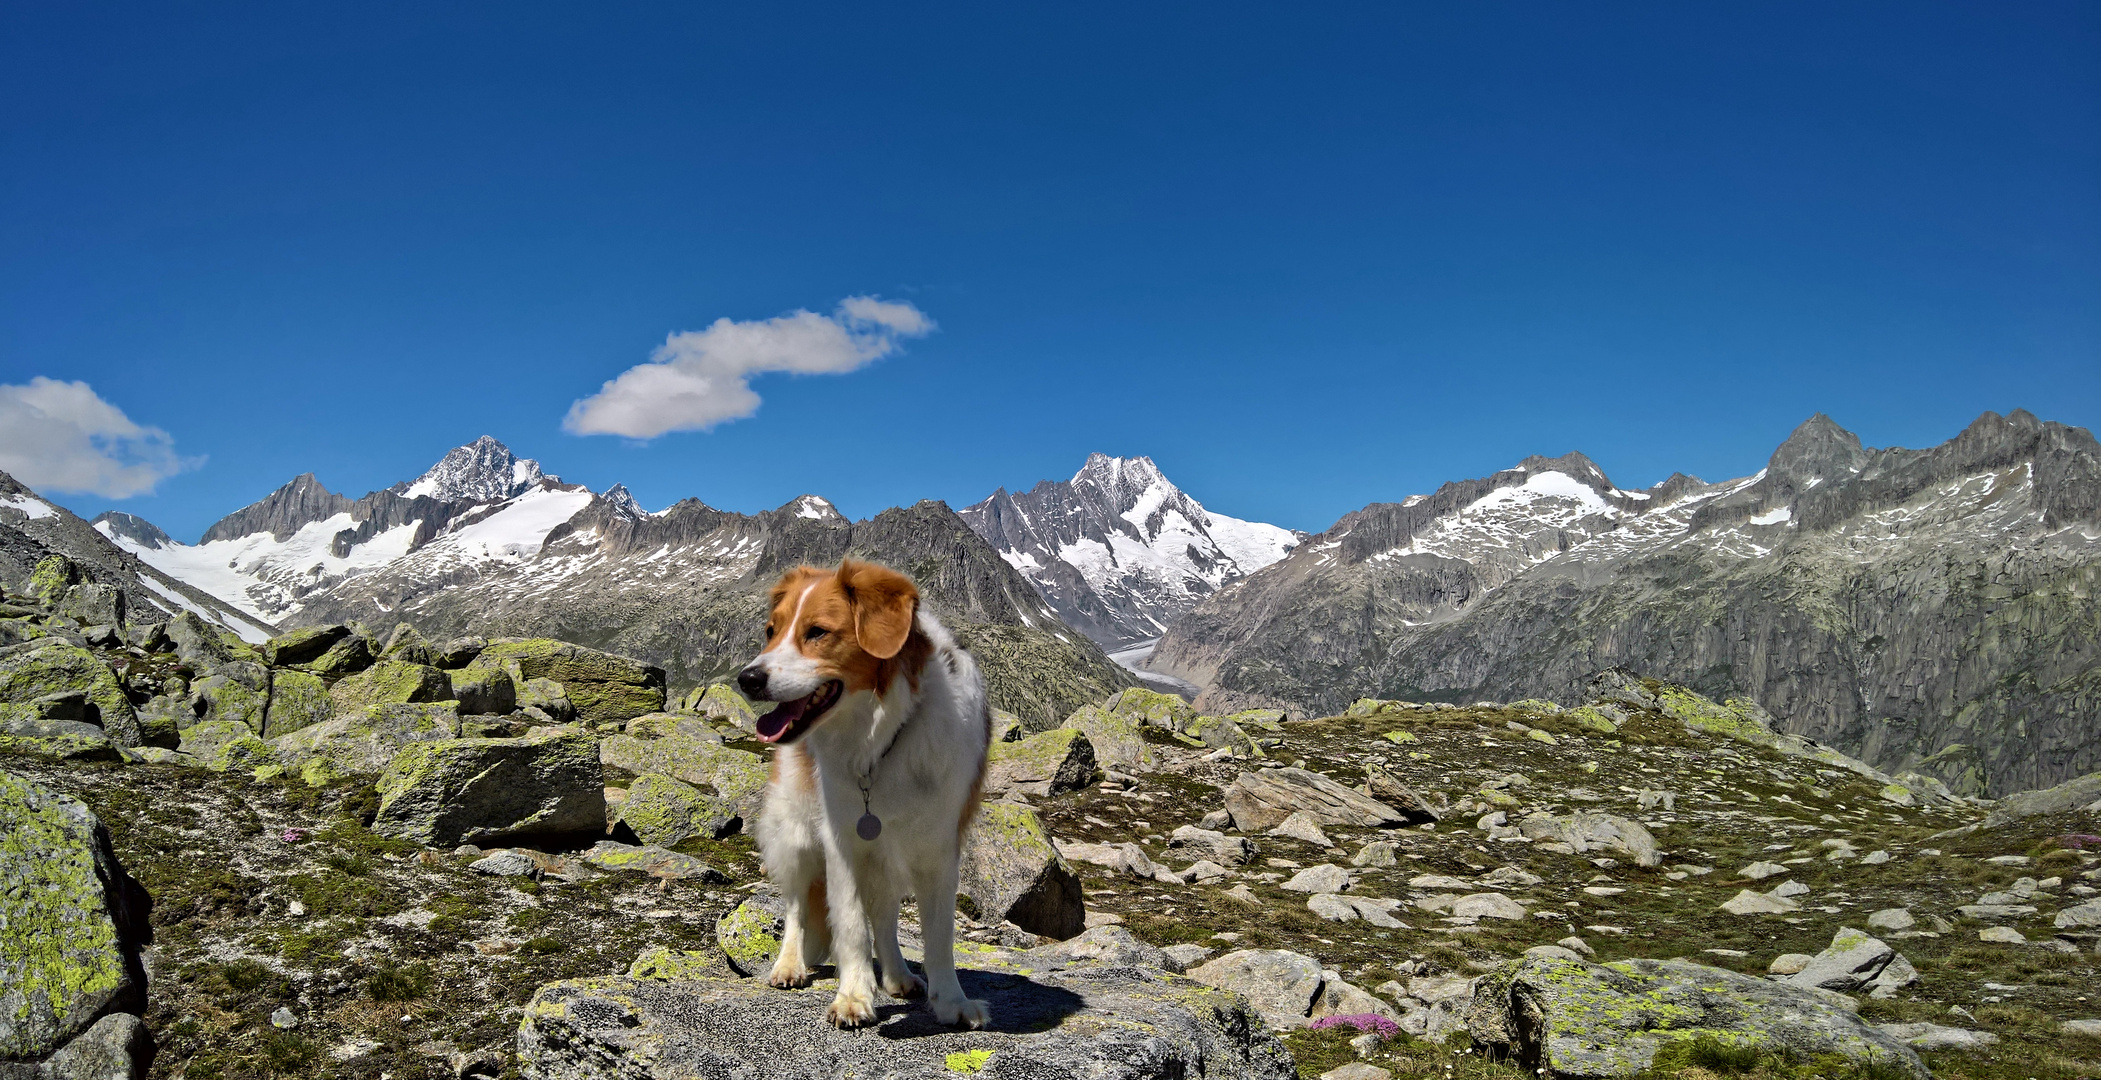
<point>775,724</point>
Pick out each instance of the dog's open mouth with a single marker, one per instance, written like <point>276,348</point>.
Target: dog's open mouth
<point>790,719</point>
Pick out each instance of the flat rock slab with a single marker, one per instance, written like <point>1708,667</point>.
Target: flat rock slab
<point>1263,800</point>
<point>1051,1017</point>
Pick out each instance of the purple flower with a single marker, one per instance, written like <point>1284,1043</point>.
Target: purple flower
<point>292,836</point>
<point>1368,1022</point>
<point>2080,841</point>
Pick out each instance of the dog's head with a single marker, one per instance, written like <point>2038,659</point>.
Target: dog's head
<point>829,633</point>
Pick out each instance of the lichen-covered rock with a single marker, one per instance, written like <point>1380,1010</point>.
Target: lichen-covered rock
<point>603,686</point>
<point>1586,832</point>
<point>361,743</point>
<point>230,695</point>
<point>93,604</point>
<point>484,691</point>
<point>1114,736</point>
<point>297,700</point>
<point>1575,1019</point>
<point>54,574</point>
<point>652,860</point>
<point>200,644</point>
<point>407,645</point>
<point>222,745</point>
<point>62,747</point>
<point>1260,801</point>
<point>349,655</point>
<point>1229,850</point>
<point>1151,708</point>
<point>1012,871</point>
<point>390,681</point>
<point>750,933</point>
<point>479,791</point>
<point>1219,733</point>
<point>302,646</point>
<point>718,701</point>
<point>664,810</point>
<point>1047,763</point>
<point>71,923</point>
<point>738,777</point>
<point>458,652</point>
<point>548,698</point>
<point>57,667</point>
<point>1051,1017</point>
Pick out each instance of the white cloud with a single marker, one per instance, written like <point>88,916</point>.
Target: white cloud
<point>700,378</point>
<point>61,436</point>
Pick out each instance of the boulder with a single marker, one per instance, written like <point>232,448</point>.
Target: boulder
<point>302,646</point>
<point>1856,961</point>
<point>1151,708</point>
<point>722,703</point>
<point>54,574</point>
<point>93,604</point>
<point>484,691</point>
<point>738,777</point>
<point>200,644</point>
<point>2080,916</point>
<point>222,745</point>
<point>71,926</point>
<point>1325,878</point>
<point>664,810</point>
<point>1572,1019</point>
<point>1262,800</point>
<point>1219,733</point>
<point>1926,1036</point>
<point>2064,798</point>
<point>1587,832</point>
<point>652,860</point>
<point>1044,764</point>
<point>409,646</point>
<point>1747,902</point>
<point>459,652</point>
<point>1229,850</point>
<point>347,656</point>
<point>1301,826</point>
<point>474,791</point>
<point>1109,944</point>
<point>750,933</point>
<point>1052,1016</point>
<point>297,700</point>
<point>57,667</point>
<point>1115,738</point>
<point>236,692</point>
<point>1388,789</point>
<point>1012,871</point>
<point>361,743</point>
<point>390,682</point>
<point>1487,905</point>
<point>602,686</point>
<point>546,698</point>
<point>1280,984</point>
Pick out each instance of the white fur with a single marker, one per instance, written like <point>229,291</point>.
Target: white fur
<point>918,789</point>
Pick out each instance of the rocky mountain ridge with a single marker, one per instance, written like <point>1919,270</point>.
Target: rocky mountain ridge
<point>1119,551</point>
<point>1930,609</point>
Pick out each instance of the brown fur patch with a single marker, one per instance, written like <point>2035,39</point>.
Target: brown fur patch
<point>977,785</point>
<point>826,612</point>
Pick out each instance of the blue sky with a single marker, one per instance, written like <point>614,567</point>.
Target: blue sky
<point>1307,257</point>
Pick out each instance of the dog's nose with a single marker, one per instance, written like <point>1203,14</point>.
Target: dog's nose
<point>752,681</point>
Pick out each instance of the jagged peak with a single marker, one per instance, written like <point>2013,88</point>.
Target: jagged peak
<point>1573,464</point>
<point>813,507</point>
<point>623,502</point>
<point>1818,448</point>
<point>116,523</point>
<point>484,470</point>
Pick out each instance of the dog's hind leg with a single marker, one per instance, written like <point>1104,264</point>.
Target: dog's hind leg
<point>937,926</point>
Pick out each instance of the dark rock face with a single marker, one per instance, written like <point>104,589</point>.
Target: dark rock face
<point>1118,551</point>
<point>1927,609</point>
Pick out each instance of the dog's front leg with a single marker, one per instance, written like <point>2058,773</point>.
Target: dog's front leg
<point>937,926</point>
<point>854,1005</point>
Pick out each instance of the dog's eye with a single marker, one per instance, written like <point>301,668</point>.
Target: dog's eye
<point>815,632</point>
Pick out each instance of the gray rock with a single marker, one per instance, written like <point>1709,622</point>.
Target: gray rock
<point>1588,832</point>
<point>1262,800</point>
<point>1925,1036</point>
<point>2081,916</point>
<point>1012,871</point>
<point>505,863</point>
<point>1228,850</point>
<point>1127,857</point>
<point>1332,907</point>
<point>1301,826</point>
<point>1108,945</point>
<point>1050,1018</point>
<point>93,604</point>
<point>750,933</point>
<point>63,892</point>
<point>1852,961</point>
<point>1325,878</point>
<point>2002,935</point>
<point>1892,919</point>
<point>297,700</point>
<point>1587,1020</point>
<point>485,690</point>
<point>1756,903</point>
<point>664,810</point>
<point>200,644</point>
<point>38,670</point>
<point>1339,998</point>
<point>117,1047</point>
<point>1488,905</point>
<point>1789,963</point>
<point>1553,952</point>
<point>1759,871</point>
<point>1044,764</point>
<point>1280,984</point>
<point>1188,954</point>
<point>2063,798</point>
<point>654,861</point>
<point>1379,853</point>
<point>460,791</point>
<point>361,743</point>
<point>302,646</point>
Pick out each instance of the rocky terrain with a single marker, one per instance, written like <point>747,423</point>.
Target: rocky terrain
<point>344,854</point>
<point>1921,609</point>
<point>487,543</point>
<point>1119,551</point>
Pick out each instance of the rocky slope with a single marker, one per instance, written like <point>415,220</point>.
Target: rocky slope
<point>1119,551</point>
<point>1929,609</point>
<point>1652,884</point>
<point>486,543</point>
<point>32,529</point>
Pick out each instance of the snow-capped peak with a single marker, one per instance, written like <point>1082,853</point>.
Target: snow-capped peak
<point>623,502</point>
<point>484,470</point>
<point>815,508</point>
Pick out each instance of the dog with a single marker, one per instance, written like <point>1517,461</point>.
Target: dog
<point>883,729</point>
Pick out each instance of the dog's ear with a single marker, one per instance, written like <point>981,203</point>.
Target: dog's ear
<point>885,603</point>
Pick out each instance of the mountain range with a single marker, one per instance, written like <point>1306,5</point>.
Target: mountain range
<point>1923,609</point>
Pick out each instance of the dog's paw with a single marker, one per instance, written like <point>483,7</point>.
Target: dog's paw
<point>851,1011</point>
<point>962,1012</point>
<point>909,986</point>
<point>789,976</point>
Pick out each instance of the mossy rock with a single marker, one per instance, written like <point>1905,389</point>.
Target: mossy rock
<point>228,696</point>
<point>388,682</point>
<point>487,791</point>
<point>69,949</point>
<point>408,645</point>
<point>664,810</point>
<point>302,646</point>
<point>361,743</point>
<point>61,747</point>
<point>93,604</point>
<point>348,656</point>
<point>750,933</point>
<point>54,574</point>
<point>1115,737</point>
<point>57,667</point>
<point>227,746</point>
<point>485,691</point>
<point>1151,708</point>
<point>604,687</point>
<point>1045,764</point>
<point>738,777</point>
<point>679,965</point>
<point>1221,733</point>
<point>297,700</point>
<point>1012,871</point>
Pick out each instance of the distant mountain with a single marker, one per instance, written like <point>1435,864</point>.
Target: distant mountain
<point>488,543</point>
<point>1930,609</point>
<point>32,528</point>
<point>1119,551</point>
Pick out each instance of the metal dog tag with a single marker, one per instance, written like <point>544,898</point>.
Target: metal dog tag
<point>869,827</point>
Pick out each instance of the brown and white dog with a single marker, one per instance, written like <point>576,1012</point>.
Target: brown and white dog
<point>881,714</point>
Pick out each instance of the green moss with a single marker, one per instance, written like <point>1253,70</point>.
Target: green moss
<point>968,1061</point>
<point>747,937</point>
<point>297,700</point>
<point>49,581</point>
<point>60,948</point>
<point>60,747</point>
<point>398,983</point>
<point>390,681</point>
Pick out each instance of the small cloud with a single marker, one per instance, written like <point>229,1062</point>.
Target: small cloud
<point>61,436</point>
<point>700,378</point>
